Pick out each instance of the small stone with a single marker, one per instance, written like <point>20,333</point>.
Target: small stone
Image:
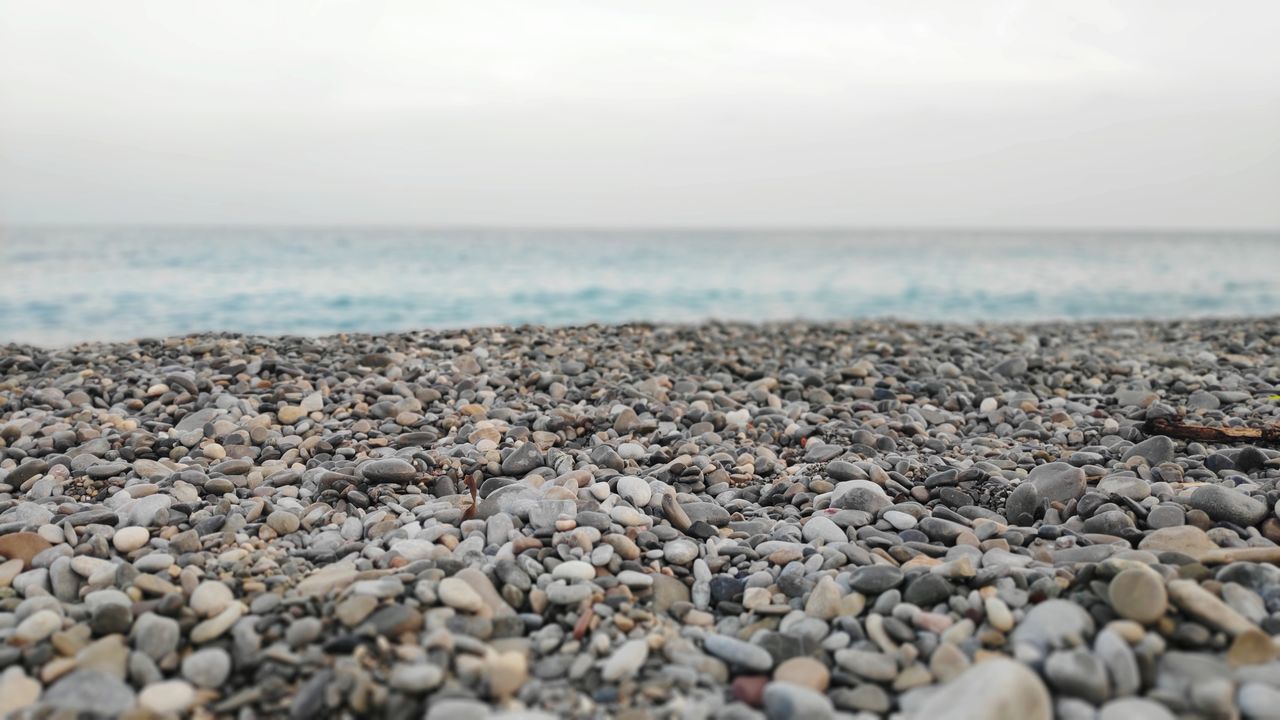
<point>522,460</point>
<point>22,546</point>
<point>739,653</point>
<point>1058,481</point>
<point>17,691</point>
<point>90,692</point>
<point>389,470</point>
<point>1155,450</point>
<point>1227,505</point>
<point>635,490</point>
<point>459,595</point>
<point>870,665</point>
<point>128,539</point>
<point>507,672</point>
<point>1185,539</point>
<point>353,611</point>
<point>155,635</point>
<point>1055,624</point>
<point>1251,647</point>
<point>1207,608</point>
<point>283,522</point>
<point>290,414</point>
<point>876,579</point>
<point>210,598</point>
<point>625,661</point>
<point>167,697</point>
<point>36,627</point>
<point>208,668</point>
<point>803,671</point>
<point>416,678</point>
<point>1134,709</point>
<point>1138,594</point>
<point>785,701</point>
<point>993,690</point>
<point>680,552</point>
<point>823,528</point>
<point>1078,673</point>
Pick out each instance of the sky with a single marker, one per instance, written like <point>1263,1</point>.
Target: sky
<point>727,113</point>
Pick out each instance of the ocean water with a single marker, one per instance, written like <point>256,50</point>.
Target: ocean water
<point>61,286</point>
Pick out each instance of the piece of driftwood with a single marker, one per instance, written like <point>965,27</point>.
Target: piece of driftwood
<point>1186,431</point>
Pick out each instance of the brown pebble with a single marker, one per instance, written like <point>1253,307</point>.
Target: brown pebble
<point>750,689</point>
<point>23,546</point>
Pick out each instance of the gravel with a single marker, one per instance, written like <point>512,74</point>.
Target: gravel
<point>721,521</point>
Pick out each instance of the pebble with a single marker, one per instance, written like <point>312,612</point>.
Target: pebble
<point>739,653</point>
<point>167,697</point>
<point>625,661</point>
<point>1138,594</point>
<point>128,539</point>
<point>933,520</point>
<point>210,598</point>
<point>208,668</point>
<point>997,689</point>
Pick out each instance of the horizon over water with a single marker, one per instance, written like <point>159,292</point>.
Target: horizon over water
<point>61,286</point>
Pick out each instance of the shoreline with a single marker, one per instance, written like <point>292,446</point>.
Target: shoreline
<point>733,520</point>
<point>845,324</point>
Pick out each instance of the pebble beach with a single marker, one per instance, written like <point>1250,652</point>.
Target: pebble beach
<point>720,521</point>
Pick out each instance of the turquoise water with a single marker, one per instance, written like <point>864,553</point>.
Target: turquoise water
<point>67,285</point>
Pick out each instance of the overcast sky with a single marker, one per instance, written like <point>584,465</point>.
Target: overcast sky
<point>1077,113</point>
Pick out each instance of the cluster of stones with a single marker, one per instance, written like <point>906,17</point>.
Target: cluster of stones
<point>721,521</point>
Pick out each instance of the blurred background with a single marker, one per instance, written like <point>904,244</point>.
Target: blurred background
<point>311,167</point>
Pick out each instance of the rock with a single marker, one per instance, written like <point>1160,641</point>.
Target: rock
<point>1055,624</point>
<point>1023,504</point>
<point>803,671</point>
<point>17,691</point>
<point>784,701</point>
<point>1155,450</point>
<point>1120,662</point>
<point>207,668</point>
<point>667,591</point>
<point>1203,606</point>
<point>416,678</point>
<point>876,579</point>
<point>635,490</point>
<point>1058,481</point>
<point>1227,505</point>
<point>625,661</point>
<point>128,539</point>
<point>1251,647</point>
<point>508,672</point>
<point>457,594</point>
<point>1134,709</point>
<point>166,697</point>
<point>210,598</point>
<point>1138,594</point>
<point>38,626</point>
<point>22,546</point>
<point>822,528</point>
<point>1257,700</point>
<point>992,690</point>
<point>869,665</point>
<point>739,653</point>
<point>91,692</point>
<point>155,636</point>
<point>389,470</point>
<point>283,522</point>
<point>522,460</point>
<point>861,495</point>
<point>1078,673</point>
<point>1185,539</point>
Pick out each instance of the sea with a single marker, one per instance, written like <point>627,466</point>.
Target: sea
<point>62,286</point>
